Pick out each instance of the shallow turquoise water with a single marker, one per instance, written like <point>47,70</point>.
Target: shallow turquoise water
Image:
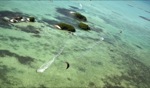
<point>121,60</point>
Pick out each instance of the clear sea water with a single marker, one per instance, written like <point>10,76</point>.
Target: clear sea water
<point>115,53</point>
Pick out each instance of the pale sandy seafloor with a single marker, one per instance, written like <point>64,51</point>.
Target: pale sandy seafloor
<point>121,60</point>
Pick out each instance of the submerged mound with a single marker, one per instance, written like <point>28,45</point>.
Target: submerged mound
<point>80,17</point>
<point>68,27</point>
<point>84,26</point>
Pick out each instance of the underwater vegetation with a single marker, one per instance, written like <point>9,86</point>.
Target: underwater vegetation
<point>7,80</point>
<point>91,85</point>
<point>26,60</point>
<point>135,75</point>
<point>12,38</point>
<point>80,17</point>
<point>42,86</point>
<point>65,26</point>
<point>84,26</point>
<point>29,29</point>
<point>81,69</point>
<point>71,17</point>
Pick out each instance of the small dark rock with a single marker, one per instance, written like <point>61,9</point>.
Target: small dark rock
<point>31,19</point>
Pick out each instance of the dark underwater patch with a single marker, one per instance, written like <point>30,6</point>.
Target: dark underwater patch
<point>7,81</point>
<point>63,11</point>
<point>22,59</point>
<point>42,86</point>
<point>138,46</point>
<point>36,35</point>
<point>81,69</point>
<point>3,53</point>
<point>11,38</point>
<point>66,20</point>
<point>29,29</point>
<point>66,13</point>
<point>25,59</point>
<point>147,19</point>
<point>91,85</point>
<point>4,24</point>
<point>136,73</point>
<point>11,14</point>
<point>3,38</point>
<point>69,79</point>
<point>147,11</point>
<point>16,39</point>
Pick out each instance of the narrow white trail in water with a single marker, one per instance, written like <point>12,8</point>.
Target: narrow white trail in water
<point>48,64</point>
